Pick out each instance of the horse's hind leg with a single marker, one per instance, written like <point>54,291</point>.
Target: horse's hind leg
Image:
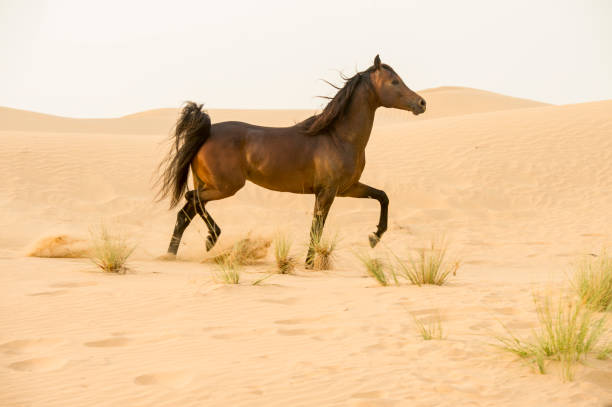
<point>194,205</point>
<point>205,193</point>
<point>183,219</point>
<point>213,229</point>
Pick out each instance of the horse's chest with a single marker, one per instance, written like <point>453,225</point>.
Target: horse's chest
<point>358,169</point>
<point>350,171</point>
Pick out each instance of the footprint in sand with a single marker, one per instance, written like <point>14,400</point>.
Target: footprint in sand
<point>70,284</point>
<point>491,297</point>
<point>282,301</point>
<point>375,347</point>
<point>297,321</point>
<point>44,364</point>
<point>506,310</point>
<point>480,325</point>
<point>175,380</point>
<point>30,345</point>
<point>222,336</point>
<point>475,262</point>
<point>108,342</point>
<point>49,293</point>
<point>293,332</point>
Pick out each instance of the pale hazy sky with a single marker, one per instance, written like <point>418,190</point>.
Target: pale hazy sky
<point>108,58</point>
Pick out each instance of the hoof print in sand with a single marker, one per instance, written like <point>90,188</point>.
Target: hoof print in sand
<point>75,284</point>
<point>29,345</point>
<point>166,257</point>
<point>108,343</point>
<point>48,293</point>
<point>45,364</point>
<point>167,379</point>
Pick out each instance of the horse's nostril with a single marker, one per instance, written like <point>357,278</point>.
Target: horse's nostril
<point>422,102</point>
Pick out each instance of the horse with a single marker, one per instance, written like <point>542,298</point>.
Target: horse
<point>323,155</point>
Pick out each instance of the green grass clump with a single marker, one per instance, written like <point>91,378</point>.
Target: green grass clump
<point>230,262</point>
<point>429,328</point>
<point>567,332</point>
<point>109,251</point>
<point>375,269</point>
<point>593,282</point>
<point>228,271</point>
<point>429,266</point>
<point>285,263</point>
<point>383,273</point>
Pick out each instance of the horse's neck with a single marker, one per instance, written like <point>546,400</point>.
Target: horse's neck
<point>355,125</point>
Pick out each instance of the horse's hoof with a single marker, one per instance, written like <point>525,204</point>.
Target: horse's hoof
<point>373,240</point>
<point>309,266</point>
<point>167,257</point>
<point>210,243</point>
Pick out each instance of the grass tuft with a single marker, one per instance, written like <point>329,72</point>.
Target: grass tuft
<point>375,268</point>
<point>429,266</point>
<point>244,252</point>
<point>567,332</point>
<point>285,263</point>
<point>593,282</point>
<point>110,252</point>
<point>228,271</point>
<point>429,328</point>
<point>324,252</point>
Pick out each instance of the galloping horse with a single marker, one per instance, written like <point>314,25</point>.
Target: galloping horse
<point>324,155</point>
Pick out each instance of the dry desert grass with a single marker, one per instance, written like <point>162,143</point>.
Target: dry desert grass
<point>324,251</point>
<point>430,328</point>
<point>246,251</point>
<point>285,262</point>
<point>429,266</point>
<point>592,281</point>
<point>567,332</point>
<point>110,251</point>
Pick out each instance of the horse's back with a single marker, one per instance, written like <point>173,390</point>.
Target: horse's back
<point>237,126</point>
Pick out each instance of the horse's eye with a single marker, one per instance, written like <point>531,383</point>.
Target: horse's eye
<point>395,82</point>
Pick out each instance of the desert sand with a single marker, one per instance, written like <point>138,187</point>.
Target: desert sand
<point>519,188</point>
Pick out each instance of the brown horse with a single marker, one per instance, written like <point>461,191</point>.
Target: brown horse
<point>324,155</point>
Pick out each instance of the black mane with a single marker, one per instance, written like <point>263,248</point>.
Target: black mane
<point>334,110</point>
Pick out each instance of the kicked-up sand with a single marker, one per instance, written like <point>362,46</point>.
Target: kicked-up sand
<point>520,189</point>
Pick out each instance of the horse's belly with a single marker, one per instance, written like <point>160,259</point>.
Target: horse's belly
<point>298,182</point>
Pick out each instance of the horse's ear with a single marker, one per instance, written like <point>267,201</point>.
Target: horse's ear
<point>377,62</point>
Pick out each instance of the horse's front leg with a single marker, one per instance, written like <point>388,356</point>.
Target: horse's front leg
<point>324,199</point>
<point>360,190</point>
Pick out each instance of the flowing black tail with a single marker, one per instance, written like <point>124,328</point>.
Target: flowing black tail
<point>192,130</point>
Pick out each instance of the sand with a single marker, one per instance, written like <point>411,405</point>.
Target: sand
<point>519,188</point>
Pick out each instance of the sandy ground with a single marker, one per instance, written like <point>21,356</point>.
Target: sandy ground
<point>519,188</point>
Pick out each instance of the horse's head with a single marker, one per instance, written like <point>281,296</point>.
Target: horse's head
<point>392,91</point>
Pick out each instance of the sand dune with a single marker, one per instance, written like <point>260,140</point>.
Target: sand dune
<point>445,101</point>
<point>520,189</point>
